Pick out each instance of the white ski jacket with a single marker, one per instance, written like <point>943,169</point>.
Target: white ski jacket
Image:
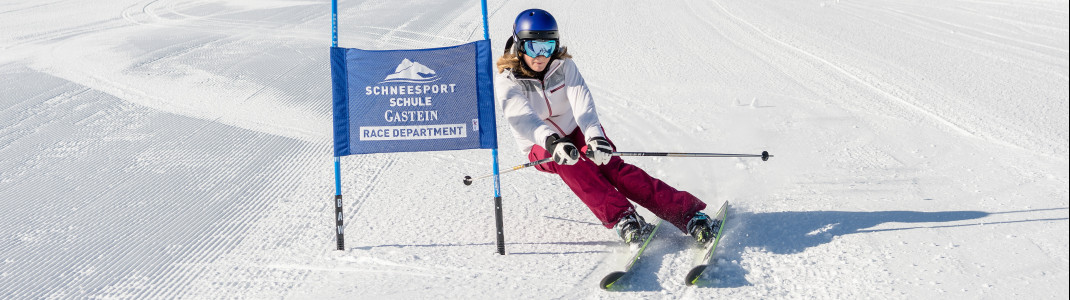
<point>536,109</point>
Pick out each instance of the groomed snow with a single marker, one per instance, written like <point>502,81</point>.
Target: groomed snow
<point>182,149</point>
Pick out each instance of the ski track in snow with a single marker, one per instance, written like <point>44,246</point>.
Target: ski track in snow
<point>136,220</point>
<point>181,149</point>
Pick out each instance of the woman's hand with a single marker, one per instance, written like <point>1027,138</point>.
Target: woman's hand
<point>564,152</point>
<point>599,150</point>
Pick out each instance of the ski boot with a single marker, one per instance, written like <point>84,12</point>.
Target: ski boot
<point>633,229</point>
<point>702,228</point>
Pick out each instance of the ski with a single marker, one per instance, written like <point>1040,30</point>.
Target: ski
<point>608,281</point>
<point>707,250</point>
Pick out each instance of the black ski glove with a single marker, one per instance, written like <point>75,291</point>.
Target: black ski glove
<point>564,152</point>
<point>599,150</point>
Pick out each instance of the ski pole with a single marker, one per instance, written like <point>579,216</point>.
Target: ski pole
<point>468,179</point>
<point>765,154</point>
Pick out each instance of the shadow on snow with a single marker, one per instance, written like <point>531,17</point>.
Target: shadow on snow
<point>788,232</point>
<point>795,231</point>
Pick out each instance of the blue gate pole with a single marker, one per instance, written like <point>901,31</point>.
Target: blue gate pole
<point>499,222</point>
<point>338,220</point>
<point>334,23</point>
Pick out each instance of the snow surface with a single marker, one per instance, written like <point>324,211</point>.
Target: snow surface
<point>182,149</point>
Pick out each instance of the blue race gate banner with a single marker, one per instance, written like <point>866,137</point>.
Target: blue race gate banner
<point>413,100</point>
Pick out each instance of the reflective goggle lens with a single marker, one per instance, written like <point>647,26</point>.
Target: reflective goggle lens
<point>536,48</point>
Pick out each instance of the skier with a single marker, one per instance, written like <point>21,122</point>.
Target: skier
<point>549,108</point>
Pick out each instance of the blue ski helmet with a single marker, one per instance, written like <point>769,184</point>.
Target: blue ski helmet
<point>535,24</point>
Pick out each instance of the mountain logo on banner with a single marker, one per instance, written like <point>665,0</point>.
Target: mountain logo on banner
<point>410,71</point>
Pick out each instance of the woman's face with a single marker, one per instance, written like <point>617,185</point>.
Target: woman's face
<point>537,64</point>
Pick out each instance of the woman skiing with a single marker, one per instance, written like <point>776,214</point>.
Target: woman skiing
<point>549,108</point>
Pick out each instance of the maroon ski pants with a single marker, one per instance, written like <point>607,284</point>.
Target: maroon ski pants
<point>606,189</point>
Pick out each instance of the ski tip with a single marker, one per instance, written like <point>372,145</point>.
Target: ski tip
<point>609,280</point>
<point>692,276</point>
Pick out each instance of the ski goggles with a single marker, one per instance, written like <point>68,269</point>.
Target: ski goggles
<point>536,48</point>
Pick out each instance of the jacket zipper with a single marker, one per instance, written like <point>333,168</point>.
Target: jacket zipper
<point>546,98</point>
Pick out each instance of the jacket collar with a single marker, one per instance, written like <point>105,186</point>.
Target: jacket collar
<point>551,69</point>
